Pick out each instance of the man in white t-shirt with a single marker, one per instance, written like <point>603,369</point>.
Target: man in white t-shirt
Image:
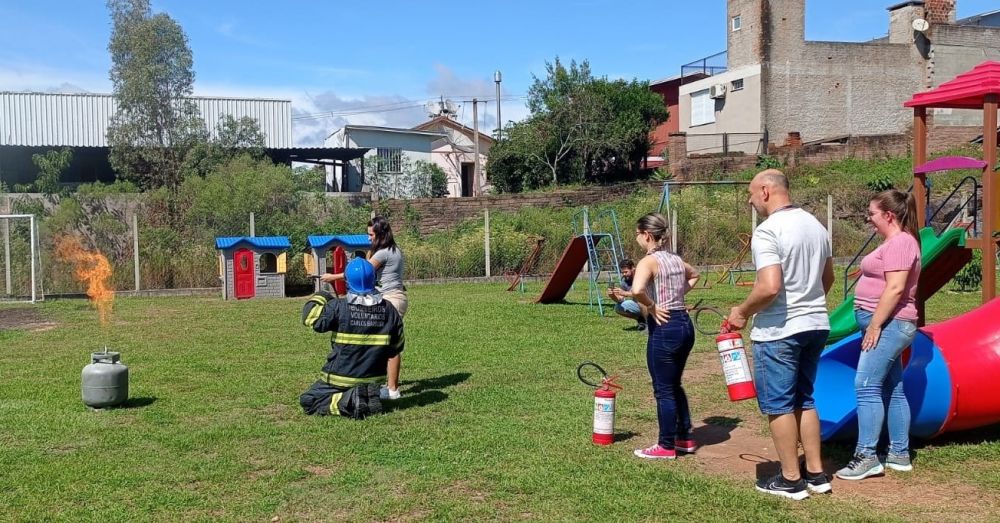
<point>792,256</point>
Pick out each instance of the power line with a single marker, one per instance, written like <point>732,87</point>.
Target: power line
<point>390,107</point>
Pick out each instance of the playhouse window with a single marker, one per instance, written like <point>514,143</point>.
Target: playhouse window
<point>244,265</point>
<point>268,263</point>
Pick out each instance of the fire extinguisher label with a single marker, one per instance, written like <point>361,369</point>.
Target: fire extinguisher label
<point>604,416</point>
<point>735,366</point>
<point>736,343</point>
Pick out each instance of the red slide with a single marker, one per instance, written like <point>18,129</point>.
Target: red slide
<point>570,264</point>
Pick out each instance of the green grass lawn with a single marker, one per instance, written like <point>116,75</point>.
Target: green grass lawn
<point>493,426</point>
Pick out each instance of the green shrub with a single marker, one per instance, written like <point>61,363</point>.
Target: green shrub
<point>971,276</point>
<point>766,161</point>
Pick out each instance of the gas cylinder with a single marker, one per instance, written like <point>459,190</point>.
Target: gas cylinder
<point>104,382</point>
<point>735,366</point>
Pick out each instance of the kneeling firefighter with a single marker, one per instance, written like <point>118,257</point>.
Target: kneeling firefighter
<point>367,331</point>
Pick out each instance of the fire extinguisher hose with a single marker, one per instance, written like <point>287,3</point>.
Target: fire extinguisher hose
<point>585,372</point>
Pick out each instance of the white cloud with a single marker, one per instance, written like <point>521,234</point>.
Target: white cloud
<point>30,77</point>
<point>316,112</point>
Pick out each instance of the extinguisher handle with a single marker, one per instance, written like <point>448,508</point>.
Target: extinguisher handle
<point>726,328</point>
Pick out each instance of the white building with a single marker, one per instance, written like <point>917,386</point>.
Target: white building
<point>394,148</point>
<point>455,154</point>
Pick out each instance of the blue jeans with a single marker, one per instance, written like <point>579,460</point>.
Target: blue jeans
<point>879,383</point>
<point>667,352</point>
<point>628,308</point>
<point>785,372</point>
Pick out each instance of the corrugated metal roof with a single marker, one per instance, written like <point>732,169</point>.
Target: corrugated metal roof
<point>260,242</point>
<point>350,241</point>
<point>81,120</point>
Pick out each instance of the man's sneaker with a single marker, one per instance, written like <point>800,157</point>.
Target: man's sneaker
<point>385,393</point>
<point>779,486</point>
<point>817,483</point>
<point>900,462</point>
<point>656,452</point>
<point>685,445</point>
<point>861,467</point>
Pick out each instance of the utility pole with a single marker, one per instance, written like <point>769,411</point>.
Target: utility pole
<point>476,186</point>
<point>497,78</point>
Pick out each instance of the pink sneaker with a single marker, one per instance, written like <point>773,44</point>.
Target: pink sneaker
<point>685,445</point>
<point>656,452</point>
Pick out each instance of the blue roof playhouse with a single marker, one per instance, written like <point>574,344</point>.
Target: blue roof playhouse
<point>252,266</point>
<point>322,246</point>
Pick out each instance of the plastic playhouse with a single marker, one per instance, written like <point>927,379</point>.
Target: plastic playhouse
<point>252,266</point>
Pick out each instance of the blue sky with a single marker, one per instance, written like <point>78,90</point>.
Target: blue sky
<point>377,63</point>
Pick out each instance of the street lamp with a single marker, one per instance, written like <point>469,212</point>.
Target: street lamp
<point>497,78</point>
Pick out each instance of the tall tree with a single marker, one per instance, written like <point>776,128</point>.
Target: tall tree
<point>233,138</point>
<point>156,122</point>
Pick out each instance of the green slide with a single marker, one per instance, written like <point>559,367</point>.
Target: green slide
<point>932,247</point>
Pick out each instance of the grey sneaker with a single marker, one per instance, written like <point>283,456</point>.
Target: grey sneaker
<point>861,467</point>
<point>900,462</point>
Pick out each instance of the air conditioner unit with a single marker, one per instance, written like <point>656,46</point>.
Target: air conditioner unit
<point>717,91</point>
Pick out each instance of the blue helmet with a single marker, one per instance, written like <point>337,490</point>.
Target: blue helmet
<point>360,276</point>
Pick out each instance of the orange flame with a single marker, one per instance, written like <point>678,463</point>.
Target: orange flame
<point>92,268</point>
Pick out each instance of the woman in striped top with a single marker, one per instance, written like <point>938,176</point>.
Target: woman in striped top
<point>661,280</point>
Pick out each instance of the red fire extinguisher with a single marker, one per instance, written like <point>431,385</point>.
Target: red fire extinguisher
<point>604,403</point>
<point>735,366</point>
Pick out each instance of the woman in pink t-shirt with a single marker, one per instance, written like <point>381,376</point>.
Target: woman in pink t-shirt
<point>885,307</point>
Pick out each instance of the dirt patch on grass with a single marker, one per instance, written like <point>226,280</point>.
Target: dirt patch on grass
<point>317,470</point>
<point>739,450</point>
<point>24,318</point>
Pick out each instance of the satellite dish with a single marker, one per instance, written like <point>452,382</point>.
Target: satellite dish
<point>433,108</point>
<point>450,107</point>
<point>920,25</point>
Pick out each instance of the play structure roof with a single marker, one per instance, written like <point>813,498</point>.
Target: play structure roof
<point>350,241</point>
<point>950,163</point>
<point>966,91</point>
<point>260,242</point>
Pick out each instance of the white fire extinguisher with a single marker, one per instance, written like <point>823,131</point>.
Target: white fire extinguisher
<point>735,366</point>
<point>604,402</point>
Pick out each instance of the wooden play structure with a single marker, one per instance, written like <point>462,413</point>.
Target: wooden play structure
<point>978,89</point>
<point>516,278</point>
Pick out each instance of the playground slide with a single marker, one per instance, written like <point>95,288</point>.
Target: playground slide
<point>949,377</point>
<point>941,258</point>
<point>567,269</point>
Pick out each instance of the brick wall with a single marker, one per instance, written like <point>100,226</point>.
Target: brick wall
<point>441,214</point>
<point>939,11</point>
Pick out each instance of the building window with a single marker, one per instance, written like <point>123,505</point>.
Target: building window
<point>390,159</point>
<point>702,108</point>
<point>737,85</point>
<point>737,23</point>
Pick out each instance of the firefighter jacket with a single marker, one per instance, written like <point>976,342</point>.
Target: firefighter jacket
<point>367,331</point>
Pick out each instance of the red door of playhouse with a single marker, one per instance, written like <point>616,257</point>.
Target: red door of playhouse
<point>243,273</point>
<point>339,264</point>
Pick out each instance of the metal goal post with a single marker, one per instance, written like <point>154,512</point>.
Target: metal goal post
<point>20,257</point>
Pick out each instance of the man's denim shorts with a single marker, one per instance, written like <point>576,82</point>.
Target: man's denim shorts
<point>785,372</point>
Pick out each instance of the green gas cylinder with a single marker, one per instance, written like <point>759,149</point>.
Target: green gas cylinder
<point>105,380</point>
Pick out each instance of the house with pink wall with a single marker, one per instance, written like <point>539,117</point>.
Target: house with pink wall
<point>455,154</point>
